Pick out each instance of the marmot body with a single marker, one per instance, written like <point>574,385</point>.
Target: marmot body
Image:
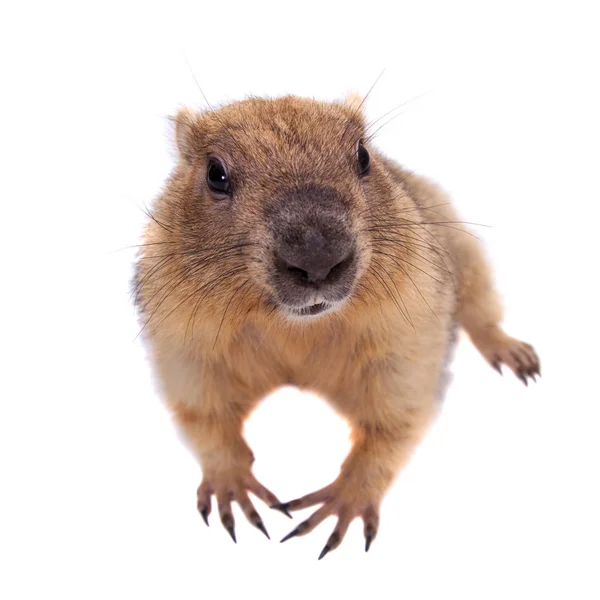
<point>286,250</point>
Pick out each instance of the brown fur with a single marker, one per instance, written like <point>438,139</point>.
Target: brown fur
<point>219,343</point>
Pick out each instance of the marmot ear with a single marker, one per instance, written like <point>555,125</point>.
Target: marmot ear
<point>355,102</point>
<point>187,133</point>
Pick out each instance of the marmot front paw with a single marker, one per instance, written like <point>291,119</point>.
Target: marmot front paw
<point>233,486</point>
<point>347,497</point>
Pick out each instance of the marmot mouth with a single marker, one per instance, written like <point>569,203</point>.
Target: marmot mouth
<point>314,309</point>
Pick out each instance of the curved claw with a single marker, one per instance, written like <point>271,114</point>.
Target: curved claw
<point>496,365</point>
<point>369,537</point>
<point>260,525</point>
<point>204,512</point>
<point>324,551</point>
<point>310,523</point>
<point>282,507</point>
<point>371,521</point>
<point>298,531</point>
<point>229,524</point>
<point>231,531</point>
<point>333,542</point>
<point>318,497</point>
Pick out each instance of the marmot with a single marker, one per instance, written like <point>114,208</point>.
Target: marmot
<point>286,250</point>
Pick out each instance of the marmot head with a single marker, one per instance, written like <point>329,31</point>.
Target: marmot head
<point>278,200</point>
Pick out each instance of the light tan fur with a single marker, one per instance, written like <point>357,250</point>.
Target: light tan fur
<point>219,348</point>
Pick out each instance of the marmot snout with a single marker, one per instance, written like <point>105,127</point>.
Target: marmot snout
<point>315,250</point>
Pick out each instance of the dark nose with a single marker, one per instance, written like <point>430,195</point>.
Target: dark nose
<point>314,259</point>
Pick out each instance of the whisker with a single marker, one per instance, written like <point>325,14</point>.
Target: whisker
<point>269,327</point>
<point>399,294</point>
<point>358,109</point>
<point>187,62</point>
<point>389,112</point>
<point>187,297</point>
<point>407,274</point>
<point>147,212</point>
<point>227,308</point>
<point>140,246</point>
<point>414,254</point>
<point>139,285</point>
<point>390,293</point>
<point>411,265</point>
<point>420,208</point>
<point>448,222</point>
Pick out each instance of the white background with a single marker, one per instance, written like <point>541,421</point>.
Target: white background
<point>98,494</point>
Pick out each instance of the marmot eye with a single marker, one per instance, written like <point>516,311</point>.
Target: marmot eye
<point>364,160</point>
<point>217,177</point>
